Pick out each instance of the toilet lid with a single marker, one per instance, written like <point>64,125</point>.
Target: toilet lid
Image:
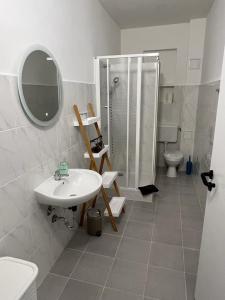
<point>173,155</point>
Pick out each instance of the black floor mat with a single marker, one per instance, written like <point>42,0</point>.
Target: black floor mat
<point>148,189</point>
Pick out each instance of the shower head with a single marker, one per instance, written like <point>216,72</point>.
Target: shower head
<point>116,80</point>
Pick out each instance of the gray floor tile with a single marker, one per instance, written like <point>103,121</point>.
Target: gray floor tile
<point>166,208</point>
<point>170,189</point>
<point>128,276</point>
<point>175,220</point>
<point>186,180</point>
<point>168,233</point>
<point>139,230</point>
<point>165,284</point>
<point>120,223</point>
<point>79,240</point>
<point>192,238</point>
<point>145,205</point>
<point>80,291</point>
<point>167,256</point>
<point>191,211</point>
<point>187,199</point>
<point>135,250</point>
<point>141,215</point>
<point>188,190</point>
<point>128,206</point>
<point>191,222</point>
<point>66,262</point>
<point>164,182</point>
<point>51,287</point>
<point>110,294</point>
<point>93,268</point>
<point>167,198</point>
<point>105,245</point>
<point>129,203</point>
<point>126,280</point>
<point>191,260</point>
<point>190,284</point>
<point>167,213</point>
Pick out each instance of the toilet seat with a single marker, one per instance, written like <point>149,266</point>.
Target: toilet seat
<point>173,160</point>
<point>173,156</point>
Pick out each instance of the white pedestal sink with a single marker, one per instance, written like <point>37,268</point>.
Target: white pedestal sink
<point>80,186</point>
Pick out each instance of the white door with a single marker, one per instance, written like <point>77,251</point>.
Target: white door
<point>211,271</point>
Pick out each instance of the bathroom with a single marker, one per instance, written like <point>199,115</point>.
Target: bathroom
<point>150,77</point>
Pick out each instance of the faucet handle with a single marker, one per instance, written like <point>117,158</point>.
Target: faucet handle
<point>57,175</point>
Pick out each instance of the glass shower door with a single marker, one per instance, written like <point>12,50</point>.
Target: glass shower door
<point>148,124</point>
<point>118,115</point>
<point>128,104</point>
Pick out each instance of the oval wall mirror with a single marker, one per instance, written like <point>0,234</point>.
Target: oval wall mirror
<point>40,86</point>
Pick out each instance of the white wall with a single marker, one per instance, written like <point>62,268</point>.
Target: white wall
<point>137,40</point>
<point>204,135</point>
<point>208,96</point>
<point>187,38</point>
<point>74,31</point>
<point>168,61</point>
<point>214,43</point>
<point>196,49</point>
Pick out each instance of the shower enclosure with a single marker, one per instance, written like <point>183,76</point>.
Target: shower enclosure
<point>127,100</point>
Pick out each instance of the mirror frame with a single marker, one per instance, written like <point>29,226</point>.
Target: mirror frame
<point>21,94</point>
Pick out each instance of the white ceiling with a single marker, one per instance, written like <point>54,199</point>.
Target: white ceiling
<point>140,13</point>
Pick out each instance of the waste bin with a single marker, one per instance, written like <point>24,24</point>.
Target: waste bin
<point>94,222</point>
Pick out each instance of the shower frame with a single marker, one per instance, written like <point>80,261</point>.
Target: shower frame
<point>138,116</point>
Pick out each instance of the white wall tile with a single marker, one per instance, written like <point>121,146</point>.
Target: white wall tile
<point>28,155</point>
<point>8,106</point>
<point>7,153</point>
<point>19,243</point>
<point>10,216</point>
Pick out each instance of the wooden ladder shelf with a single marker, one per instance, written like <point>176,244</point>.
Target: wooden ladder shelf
<point>116,205</point>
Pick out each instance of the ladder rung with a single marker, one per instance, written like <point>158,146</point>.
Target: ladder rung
<point>99,154</point>
<point>116,205</point>
<point>87,121</point>
<point>108,178</point>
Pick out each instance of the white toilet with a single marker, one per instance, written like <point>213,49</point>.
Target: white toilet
<point>17,279</point>
<point>173,160</point>
<point>168,134</point>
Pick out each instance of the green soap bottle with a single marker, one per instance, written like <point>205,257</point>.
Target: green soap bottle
<point>64,168</point>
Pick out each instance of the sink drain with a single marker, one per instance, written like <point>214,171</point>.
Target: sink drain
<point>72,195</point>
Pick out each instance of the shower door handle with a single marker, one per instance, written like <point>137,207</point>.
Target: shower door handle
<point>210,185</point>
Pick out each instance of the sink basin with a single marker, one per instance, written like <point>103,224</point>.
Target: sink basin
<point>80,186</point>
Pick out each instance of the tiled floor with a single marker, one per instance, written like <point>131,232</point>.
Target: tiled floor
<point>154,255</point>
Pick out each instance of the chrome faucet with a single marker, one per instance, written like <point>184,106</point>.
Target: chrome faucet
<point>58,176</point>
